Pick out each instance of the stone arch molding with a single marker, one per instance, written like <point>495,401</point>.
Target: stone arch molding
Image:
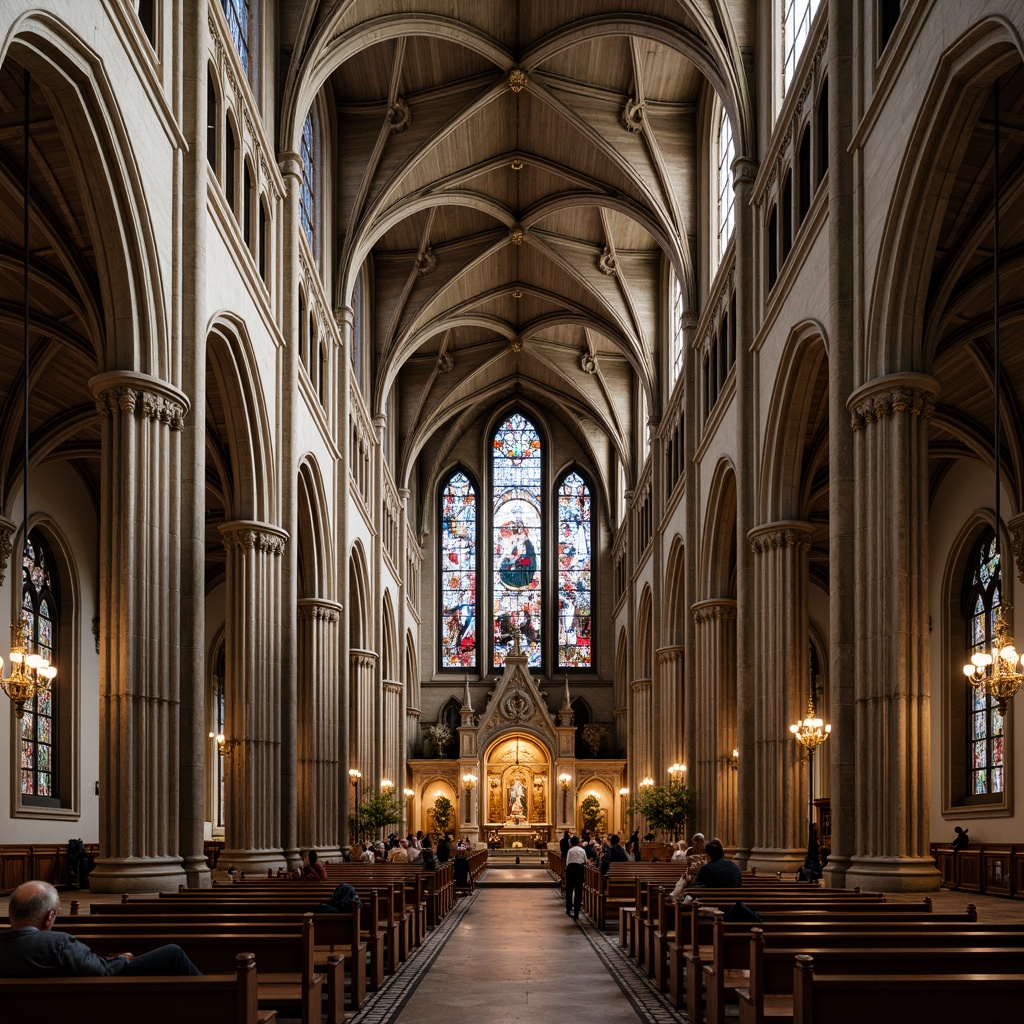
<point>125,308</point>
<point>903,271</point>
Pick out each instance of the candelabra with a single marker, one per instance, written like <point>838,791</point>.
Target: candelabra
<point>810,734</point>
<point>469,781</point>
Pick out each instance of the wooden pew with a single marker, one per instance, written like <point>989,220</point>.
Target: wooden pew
<point>769,989</point>
<point>232,1000</point>
<point>731,970</point>
<point>355,934</point>
<point>289,979</point>
<point>334,935</point>
<point>853,999</point>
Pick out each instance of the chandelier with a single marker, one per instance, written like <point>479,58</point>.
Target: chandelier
<point>811,732</point>
<point>997,674</point>
<point>30,672</point>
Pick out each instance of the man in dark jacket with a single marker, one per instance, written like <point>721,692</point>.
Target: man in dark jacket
<point>31,949</point>
<point>615,852</point>
<point>719,872</point>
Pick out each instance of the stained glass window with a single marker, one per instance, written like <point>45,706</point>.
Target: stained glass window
<point>517,539</point>
<point>237,13</point>
<point>458,573</point>
<point>38,619</point>
<point>984,723</point>
<point>307,197</point>
<point>574,538</point>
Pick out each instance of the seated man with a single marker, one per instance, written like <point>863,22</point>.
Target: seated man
<point>719,872</point>
<point>31,949</point>
<point>312,870</point>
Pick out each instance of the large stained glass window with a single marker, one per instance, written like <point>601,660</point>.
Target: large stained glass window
<point>574,563</point>
<point>307,195</point>
<point>38,620</point>
<point>984,723</point>
<point>458,573</point>
<point>517,542</point>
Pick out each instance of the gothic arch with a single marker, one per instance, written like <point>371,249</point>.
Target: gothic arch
<point>674,600</point>
<point>796,434</point>
<point>934,152</point>
<point>316,561</point>
<point>645,636</point>
<point>717,571</point>
<point>239,445</point>
<point>390,665</point>
<point>358,599</point>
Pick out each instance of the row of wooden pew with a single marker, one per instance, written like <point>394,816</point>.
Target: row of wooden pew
<point>308,962</point>
<point>817,954</point>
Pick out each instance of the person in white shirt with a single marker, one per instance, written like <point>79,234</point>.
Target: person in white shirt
<point>575,865</point>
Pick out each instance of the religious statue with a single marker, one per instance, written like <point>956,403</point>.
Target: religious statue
<point>517,798</point>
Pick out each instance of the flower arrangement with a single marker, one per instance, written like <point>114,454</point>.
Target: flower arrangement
<point>440,735</point>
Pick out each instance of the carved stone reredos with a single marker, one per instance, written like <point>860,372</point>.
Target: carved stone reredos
<point>517,705</point>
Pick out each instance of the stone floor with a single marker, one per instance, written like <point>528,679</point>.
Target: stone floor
<point>508,953</point>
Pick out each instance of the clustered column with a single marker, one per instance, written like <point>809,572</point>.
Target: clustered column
<point>714,783</point>
<point>252,695</point>
<point>641,728</point>
<point>671,686</point>
<point>890,422</point>
<point>781,552</point>
<point>141,422</point>
<point>362,672</point>
<point>319,711</point>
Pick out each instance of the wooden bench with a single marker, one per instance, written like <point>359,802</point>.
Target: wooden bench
<point>355,934</point>
<point>289,979</point>
<point>232,1000</point>
<point>896,999</point>
<point>732,973</point>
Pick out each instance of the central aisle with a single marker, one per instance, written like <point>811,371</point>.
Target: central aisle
<point>515,956</point>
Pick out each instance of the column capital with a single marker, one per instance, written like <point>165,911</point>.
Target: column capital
<point>899,392</point>
<point>128,391</point>
<point>290,164</point>
<point>744,172</point>
<point>344,317</point>
<point>640,685</point>
<point>671,654</point>
<point>243,535</point>
<point>788,533</point>
<point>319,608</point>
<point>717,608</point>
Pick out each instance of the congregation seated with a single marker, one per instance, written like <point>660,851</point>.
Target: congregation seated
<point>719,872</point>
<point>31,949</point>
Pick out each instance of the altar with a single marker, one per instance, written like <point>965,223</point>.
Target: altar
<point>518,836</point>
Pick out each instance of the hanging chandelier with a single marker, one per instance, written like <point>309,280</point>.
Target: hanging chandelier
<point>30,673</point>
<point>997,674</point>
<point>811,732</point>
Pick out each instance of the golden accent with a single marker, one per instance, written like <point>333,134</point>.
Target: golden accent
<point>517,80</point>
<point>516,165</point>
<point>30,673</point>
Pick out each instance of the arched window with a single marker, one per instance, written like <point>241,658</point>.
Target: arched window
<point>458,573</point>
<point>240,25</point>
<point>984,723</point>
<point>517,546</point>
<point>39,608</point>
<point>308,195</point>
<point>358,326</point>
<point>796,28</point>
<point>726,197</point>
<point>675,327</point>
<point>575,534</point>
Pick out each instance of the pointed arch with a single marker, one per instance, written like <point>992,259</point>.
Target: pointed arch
<point>315,557</point>
<point>717,570</point>
<point>675,604</point>
<point>390,664</point>
<point>358,598</point>
<point>644,654</point>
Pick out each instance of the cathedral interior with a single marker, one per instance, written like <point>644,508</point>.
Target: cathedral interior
<point>507,403</point>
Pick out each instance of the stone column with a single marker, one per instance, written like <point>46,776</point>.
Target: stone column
<point>744,170</point>
<point>671,684</point>
<point>362,724</point>
<point>781,554</point>
<point>391,754</point>
<point>845,330</point>
<point>319,709</point>
<point>140,463</point>
<point>190,328</point>
<point>710,777</point>
<point>252,696</point>
<point>641,728</point>
<point>890,422</point>
<point>289,402</point>
<point>402,626</point>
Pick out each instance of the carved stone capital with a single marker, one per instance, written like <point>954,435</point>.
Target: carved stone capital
<point>252,536</point>
<point>126,392</point>
<point>722,609</point>
<point>772,536</point>
<point>671,655</point>
<point>912,393</point>
<point>317,610</point>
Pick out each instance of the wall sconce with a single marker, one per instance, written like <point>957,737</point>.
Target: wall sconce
<point>646,781</point>
<point>624,791</point>
<point>354,775</point>
<point>387,786</point>
<point>675,773</point>
<point>409,793</point>
<point>223,745</point>
<point>469,781</point>
<point>733,760</point>
<point>564,781</point>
